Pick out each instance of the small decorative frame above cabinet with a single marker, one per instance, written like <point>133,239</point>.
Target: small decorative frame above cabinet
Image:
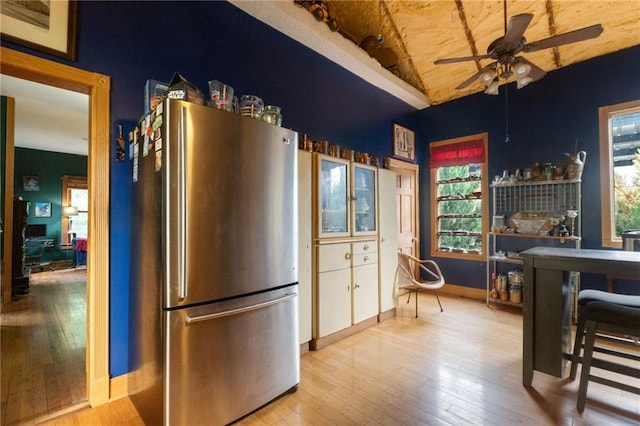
<point>528,214</point>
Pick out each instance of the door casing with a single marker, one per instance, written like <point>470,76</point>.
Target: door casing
<point>97,87</point>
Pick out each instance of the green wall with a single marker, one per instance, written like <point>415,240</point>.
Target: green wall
<point>49,167</point>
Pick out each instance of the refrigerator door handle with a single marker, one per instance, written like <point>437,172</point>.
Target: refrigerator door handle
<point>189,319</point>
<point>182,206</point>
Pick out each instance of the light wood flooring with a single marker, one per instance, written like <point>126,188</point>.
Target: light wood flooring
<point>43,341</point>
<point>459,367</point>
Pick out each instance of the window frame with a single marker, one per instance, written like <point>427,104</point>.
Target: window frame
<point>484,199</point>
<point>607,213</point>
<point>69,182</point>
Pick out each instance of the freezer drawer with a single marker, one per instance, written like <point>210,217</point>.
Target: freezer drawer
<point>224,360</point>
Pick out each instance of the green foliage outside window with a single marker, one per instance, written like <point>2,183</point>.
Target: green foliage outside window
<point>627,199</point>
<point>459,202</point>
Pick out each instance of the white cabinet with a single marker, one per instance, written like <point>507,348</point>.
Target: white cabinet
<point>346,195</point>
<point>305,247</point>
<point>365,281</point>
<point>334,288</point>
<point>347,285</point>
<point>351,253</point>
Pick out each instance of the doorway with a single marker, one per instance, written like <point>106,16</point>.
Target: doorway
<point>97,87</point>
<point>407,205</point>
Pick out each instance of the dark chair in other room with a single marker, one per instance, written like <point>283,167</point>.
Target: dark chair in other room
<point>407,282</point>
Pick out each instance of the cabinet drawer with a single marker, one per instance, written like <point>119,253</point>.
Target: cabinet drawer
<point>332,257</point>
<point>365,259</point>
<point>365,247</point>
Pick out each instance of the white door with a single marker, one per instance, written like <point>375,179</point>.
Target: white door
<point>365,290</point>
<point>388,245</point>
<point>333,288</point>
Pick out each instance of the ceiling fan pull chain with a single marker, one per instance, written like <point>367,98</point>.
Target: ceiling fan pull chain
<point>506,112</point>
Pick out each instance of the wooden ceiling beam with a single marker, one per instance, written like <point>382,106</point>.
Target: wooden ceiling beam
<point>552,30</point>
<point>467,32</point>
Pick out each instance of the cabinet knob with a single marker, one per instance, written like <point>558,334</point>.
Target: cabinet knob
<point>366,258</point>
<point>347,256</point>
<point>382,239</point>
<point>366,247</point>
<point>356,285</point>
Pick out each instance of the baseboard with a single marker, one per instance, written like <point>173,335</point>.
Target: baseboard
<point>322,342</point>
<point>383,316</point>
<point>462,291</point>
<point>119,387</point>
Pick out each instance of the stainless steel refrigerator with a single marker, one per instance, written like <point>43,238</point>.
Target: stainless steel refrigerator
<point>213,302</point>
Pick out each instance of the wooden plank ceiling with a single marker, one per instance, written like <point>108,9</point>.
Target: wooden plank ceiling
<point>419,32</point>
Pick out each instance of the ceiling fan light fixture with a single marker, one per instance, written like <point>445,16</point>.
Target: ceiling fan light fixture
<point>523,81</point>
<point>492,89</point>
<point>522,69</point>
<point>487,77</point>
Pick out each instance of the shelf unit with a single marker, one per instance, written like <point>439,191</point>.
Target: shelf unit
<point>546,197</point>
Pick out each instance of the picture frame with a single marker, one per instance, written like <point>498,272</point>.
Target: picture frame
<point>49,27</point>
<point>42,209</point>
<point>31,183</point>
<point>404,146</point>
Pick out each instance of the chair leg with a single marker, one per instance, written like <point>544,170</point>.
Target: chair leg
<point>590,337</point>
<point>416,304</point>
<point>438,299</point>
<point>577,346</point>
<point>409,298</point>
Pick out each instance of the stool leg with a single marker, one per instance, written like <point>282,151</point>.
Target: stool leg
<point>590,337</point>
<point>577,345</point>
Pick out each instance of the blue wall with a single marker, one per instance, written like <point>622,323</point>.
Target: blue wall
<point>135,41</point>
<point>545,119</point>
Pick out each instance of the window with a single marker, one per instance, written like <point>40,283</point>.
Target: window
<point>459,189</point>
<point>620,170</point>
<point>74,194</point>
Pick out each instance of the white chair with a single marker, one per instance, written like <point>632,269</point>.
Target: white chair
<point>407,282</point>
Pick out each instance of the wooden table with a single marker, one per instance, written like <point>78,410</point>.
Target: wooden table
<point>547,301</point>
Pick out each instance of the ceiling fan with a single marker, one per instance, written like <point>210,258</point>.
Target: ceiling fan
<point>506,49</point>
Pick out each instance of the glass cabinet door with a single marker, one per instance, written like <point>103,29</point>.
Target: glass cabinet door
<point>333,197</point>
<point>364,200</point>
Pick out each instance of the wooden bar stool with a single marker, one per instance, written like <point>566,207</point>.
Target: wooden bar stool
<point>584,297</point>
<point>610,317</point>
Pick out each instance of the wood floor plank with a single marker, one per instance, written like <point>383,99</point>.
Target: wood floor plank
<point>43,335</point>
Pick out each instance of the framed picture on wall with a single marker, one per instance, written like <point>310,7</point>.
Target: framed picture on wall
<point>403,143</point>
<point>31,183</point>
<point>47,26</point>
<point>43,209</point>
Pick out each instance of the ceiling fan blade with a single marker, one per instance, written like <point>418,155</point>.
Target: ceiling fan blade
<point>566,38</point>
<point>536,73</point>
<point>463,59</point>
<point>475,76</point>
<point>515,30</point>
